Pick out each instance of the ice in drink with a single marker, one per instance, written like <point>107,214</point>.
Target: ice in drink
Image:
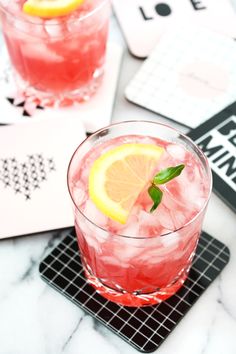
<point>147,259</point>
<point>57,59</point>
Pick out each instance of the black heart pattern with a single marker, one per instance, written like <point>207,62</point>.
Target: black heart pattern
<point>24,178</point>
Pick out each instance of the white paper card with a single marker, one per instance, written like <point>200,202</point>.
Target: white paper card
<point>145,21</point>
<point>34,157</point>
<point>189,77</point>
<point>95,114</point>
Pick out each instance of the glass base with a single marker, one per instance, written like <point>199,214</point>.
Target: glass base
<point>56,99</point>
<point>136,299</point>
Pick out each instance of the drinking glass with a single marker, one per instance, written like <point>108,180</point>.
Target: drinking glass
<point>144,268</point>
<point>60,60</point>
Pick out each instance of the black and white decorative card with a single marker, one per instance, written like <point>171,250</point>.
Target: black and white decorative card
<point>145,21</point>
<point>34,157</point>
<point>189,76</point>
<point>217,138</point>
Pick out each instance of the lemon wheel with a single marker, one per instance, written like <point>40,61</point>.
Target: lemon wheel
<point>117,178</point>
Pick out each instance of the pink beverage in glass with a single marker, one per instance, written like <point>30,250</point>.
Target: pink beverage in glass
<point>59,59</point>
<point>148,259</point>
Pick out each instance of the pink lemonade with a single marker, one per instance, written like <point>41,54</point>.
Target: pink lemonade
<point>59,59</point>
<point>148,259</point>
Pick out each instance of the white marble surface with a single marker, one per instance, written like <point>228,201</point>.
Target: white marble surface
<point>35,319</point>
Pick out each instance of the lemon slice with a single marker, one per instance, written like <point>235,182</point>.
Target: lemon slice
<point>50,8</point>
<point>118,176</point>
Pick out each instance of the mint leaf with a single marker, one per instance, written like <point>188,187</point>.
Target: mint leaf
<point>168,174</point>
<point>162,177</point>
<point>156,195</point>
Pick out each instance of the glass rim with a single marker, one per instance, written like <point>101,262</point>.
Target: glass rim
<point>30,19</point>
<point>201,153</point>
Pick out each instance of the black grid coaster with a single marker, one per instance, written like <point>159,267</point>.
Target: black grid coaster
<point>144,328</point>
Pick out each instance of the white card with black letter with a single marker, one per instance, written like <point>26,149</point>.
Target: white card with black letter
<point>145,21</point>
<point>34,157</point>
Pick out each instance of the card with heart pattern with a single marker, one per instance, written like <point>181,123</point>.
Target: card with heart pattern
<point>34,157</point>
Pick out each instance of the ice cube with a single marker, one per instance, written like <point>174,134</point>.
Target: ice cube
<point>72,45</point>
<point>89,46</point>
<point>172,195</point>
<point>74,26</point>
<point>147,140</point>
<point>199,202</point>
<point>179,218</point>
<point>165,161</point>
<point>14,8</point>
<point>6,3</point>
<point>147,219</point>
<point>191,194</point>
<point>132,227</point>
<point>38,29</point>
<point>23,26</point>
<point>88,236</point>
<point>92,213</point>
<point>176,151</point>
<point>92,234</point>
<point>102,235</point>
<point>92,241</point>
<point>194,173</point>
<point>40,50</point>
<point>164,217</point>
<point>128,248</point>
<point>147,223</point>
<point>78,192</point>
<point>170,240</point>
<point>54,28</point>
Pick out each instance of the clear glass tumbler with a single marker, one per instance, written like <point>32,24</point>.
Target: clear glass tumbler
<point>143,263</point>
<point>58,60</point>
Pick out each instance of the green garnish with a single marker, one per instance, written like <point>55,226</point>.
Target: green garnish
<point>156,195</point>
<point>168,174</point>
<point>162,177</point>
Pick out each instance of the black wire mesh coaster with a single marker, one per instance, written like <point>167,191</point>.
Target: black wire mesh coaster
<point>144,328</point>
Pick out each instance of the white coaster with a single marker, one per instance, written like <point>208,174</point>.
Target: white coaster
<point>144,21</point>
<point>34,157</point>
<point>189,77</point>
<point>95,114</point>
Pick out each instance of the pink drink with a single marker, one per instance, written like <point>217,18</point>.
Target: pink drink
<point>146,260</point>
<point>59,59</point>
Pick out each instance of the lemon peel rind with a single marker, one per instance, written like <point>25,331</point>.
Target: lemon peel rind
<point>50,9</point>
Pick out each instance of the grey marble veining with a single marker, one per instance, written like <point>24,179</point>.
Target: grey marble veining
<point>35,319</point>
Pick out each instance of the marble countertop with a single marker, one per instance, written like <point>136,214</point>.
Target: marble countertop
<point>35,319</point>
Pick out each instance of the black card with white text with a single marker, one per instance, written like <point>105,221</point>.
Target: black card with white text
<point>217,138</point>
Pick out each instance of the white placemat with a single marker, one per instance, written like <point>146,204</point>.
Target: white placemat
<point>189,77</point>
<point>94,114</point>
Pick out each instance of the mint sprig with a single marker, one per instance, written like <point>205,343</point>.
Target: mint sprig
<point>156,195</point>
<point>162,177</point>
